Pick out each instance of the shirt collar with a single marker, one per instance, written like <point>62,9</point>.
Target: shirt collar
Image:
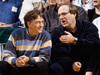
<point>29,34</point>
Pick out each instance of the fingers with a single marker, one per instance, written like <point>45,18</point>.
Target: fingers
<point>89,73</point>
<point>22,57</point>
<point>67,32</point>
<point>20,62</point>
<point>76,66</point>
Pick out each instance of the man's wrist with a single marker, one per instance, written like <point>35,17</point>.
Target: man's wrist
<point>75,41</point>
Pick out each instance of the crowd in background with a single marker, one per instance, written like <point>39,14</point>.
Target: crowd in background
<point>75,48</point>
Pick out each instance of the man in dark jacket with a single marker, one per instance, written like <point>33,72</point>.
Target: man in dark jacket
<point>74,42</point>
<point>51,17</point>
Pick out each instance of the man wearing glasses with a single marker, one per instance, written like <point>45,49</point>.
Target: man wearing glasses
<point>51,17</point>
<point>28,50</point>
<point>73,42</point>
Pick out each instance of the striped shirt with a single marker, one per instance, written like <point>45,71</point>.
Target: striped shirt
<point>37,48</point>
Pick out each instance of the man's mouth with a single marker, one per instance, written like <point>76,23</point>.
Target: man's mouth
<point>95,1</point>
<point>63,21</point>
<point>40,28</point>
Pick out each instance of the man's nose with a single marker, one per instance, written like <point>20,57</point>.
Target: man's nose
<point>61,16</point>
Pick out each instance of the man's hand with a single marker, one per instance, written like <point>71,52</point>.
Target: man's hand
<point>89,73</point>
<point>1,24</point>
<point>69,38</point>
<point>76,66</point>
<point>24,58</point>
<point>19,62</point>
<point>6,25</point>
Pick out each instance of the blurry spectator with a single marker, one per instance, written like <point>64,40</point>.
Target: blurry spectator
<point>86,4</point>
<point>30,5</point>
<point>51,4</point>
<point>9,13</point>
<point>51,17</point>
<point>94,14</point>
<point>28,50</point>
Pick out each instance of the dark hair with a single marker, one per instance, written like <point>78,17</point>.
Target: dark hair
<point>32,15</point>
<point>72,9</point>
<point>70,0</point>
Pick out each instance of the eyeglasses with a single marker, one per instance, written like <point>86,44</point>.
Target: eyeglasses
<point>63,14</point>
<point>42,22</point>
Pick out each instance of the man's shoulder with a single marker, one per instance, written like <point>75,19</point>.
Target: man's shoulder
<point>84,24</point>
<point>44,9</point>
<point>79,8</point>
<point>19,30</point>
<point>58,28</point>
<point>44,32</point>
<point>49,11</point>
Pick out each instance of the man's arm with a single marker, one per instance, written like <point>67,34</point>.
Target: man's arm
<point>9,53</point>
<point>18,23</point>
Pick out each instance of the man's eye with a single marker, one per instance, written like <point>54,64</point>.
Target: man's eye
<point>64,13</point>
<point>58,15</point>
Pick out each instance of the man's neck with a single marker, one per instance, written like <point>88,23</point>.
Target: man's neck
<point>73,28</point>
<point>97,10</point>
<point>30,34</point>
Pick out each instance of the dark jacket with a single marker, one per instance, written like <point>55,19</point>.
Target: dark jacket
<point>67,54</point>
<point>90,14</point>
<point>52,20</point>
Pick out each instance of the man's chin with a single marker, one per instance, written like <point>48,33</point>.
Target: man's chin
<point>40,31</point>
<point>64,25</point>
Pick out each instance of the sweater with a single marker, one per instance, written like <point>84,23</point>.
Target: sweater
<point>37,48</point>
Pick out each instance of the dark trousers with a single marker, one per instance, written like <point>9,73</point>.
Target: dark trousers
<point>38,69</point>
<point>57,69</point>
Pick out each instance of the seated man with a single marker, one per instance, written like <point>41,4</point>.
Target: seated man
<point>28,50</point>
<point>9,13</point>
<point>74,42</point>
<point>51,17</point>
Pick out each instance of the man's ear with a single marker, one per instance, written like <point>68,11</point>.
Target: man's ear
<point>75,14</point>
<point>28,23</point>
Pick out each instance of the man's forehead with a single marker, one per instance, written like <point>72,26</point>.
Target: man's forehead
<point>39,18</point>
<point>63,8</point>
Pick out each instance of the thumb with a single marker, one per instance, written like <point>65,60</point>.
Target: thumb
<point>79,64</point>
<point>67,32</point>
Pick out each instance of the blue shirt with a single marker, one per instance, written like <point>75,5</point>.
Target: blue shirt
<point>9,12</point>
